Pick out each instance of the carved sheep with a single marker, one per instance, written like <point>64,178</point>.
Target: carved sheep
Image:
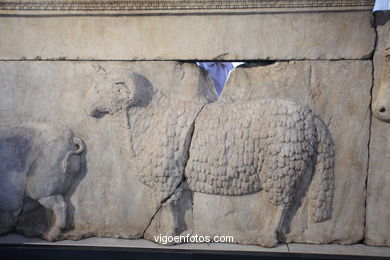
<point>159,127</point>
<point>156,121</point>
<point>271,145</point>
<point>235,149</point>
<point>38,163</point>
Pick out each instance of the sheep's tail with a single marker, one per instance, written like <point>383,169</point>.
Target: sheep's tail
<point>66,161</point>
<point>321,187</point>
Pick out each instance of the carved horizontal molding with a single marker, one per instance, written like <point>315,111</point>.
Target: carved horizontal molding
<point>179,5</point>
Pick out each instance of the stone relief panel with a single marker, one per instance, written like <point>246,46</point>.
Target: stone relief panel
<point>158,126</point>
<point>378,205</point>
<point>339,93</point>
<point>39,161</point>
<point>281,156</point>
<point>286,146</point>
<point>267,144</point>
<point>58,91</point>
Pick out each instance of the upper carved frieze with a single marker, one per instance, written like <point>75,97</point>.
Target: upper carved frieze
<point>177,5</point>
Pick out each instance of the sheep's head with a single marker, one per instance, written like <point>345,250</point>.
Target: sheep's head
<point>110,94</point>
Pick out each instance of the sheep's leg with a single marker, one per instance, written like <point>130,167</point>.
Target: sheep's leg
<point>171,204</point>
<point>269,237</point>
<point>172,231</point>
<point>59,208</point>
<point>279,219</point>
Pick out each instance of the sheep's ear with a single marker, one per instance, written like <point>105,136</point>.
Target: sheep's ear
<point>99,68</point>
<point>100,73</point>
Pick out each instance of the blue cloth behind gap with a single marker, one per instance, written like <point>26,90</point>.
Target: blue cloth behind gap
<point>219,72</point>
<point>381,5</point>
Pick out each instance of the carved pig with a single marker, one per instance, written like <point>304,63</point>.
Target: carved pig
<point>38,163</point>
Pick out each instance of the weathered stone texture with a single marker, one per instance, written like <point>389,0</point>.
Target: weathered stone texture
<point>275,146</point>
<point>110,199</point>
<point>132,115</point>
<point>280,36</point>
<point>339,92</point>
<point>378,204</point>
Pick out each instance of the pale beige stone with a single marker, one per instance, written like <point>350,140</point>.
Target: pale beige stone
<point>111,198</point>
<point>279,36</point>
<point>274,146</point>
<point>378,185</point>
<point>132,115</point>
<point>339,92</point>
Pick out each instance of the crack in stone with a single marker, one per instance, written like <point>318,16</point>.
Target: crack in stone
<point>168,198</point>
<point>192,211</point>
<point>188,156</point>
<point>151,220</point>
<point>370,136</point>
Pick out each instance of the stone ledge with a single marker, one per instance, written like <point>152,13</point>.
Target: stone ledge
<point>353,250</point>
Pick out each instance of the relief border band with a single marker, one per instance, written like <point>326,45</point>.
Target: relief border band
<point>180,5</point>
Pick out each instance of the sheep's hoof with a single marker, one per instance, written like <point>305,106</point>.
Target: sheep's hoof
<point>168,238</point>
<point>268,239</point>
<point>53,235</point>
